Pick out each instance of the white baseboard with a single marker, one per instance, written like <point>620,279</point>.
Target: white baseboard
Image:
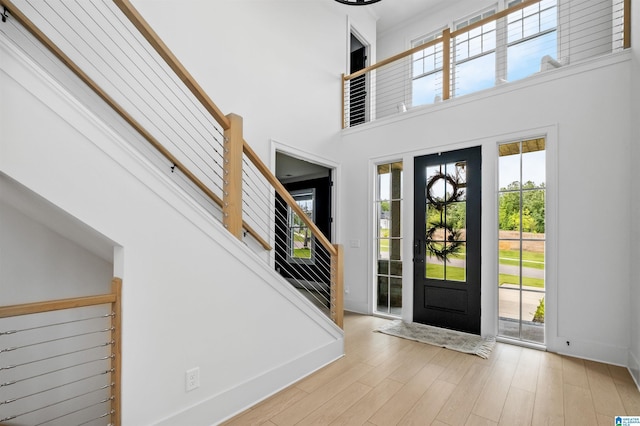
<point>231,402</point>
<point>590,350</point>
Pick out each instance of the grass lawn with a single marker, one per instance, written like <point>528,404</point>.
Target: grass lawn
<point>526,281</point>
<point>302,253</point>
<point>530,259</point>
<point>455,273</point>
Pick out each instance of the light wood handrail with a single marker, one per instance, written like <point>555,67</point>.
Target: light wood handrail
<point>494,17</point>
<point>115,300</point>
<point>392,59</point>
<point>280,189</point>
<point>55,305</point>
<point>156,42</point>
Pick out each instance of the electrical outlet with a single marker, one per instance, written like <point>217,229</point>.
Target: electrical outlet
<point>192,379</point>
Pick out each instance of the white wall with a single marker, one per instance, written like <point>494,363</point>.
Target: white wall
<point>584,111</point>
<point>43,264</point>
<point>275,63</point>
<point>192,296</point>
<point>398,39</point>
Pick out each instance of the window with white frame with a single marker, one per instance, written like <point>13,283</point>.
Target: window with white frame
<point>474,55</point>
<point>426,87</point>
<point>301,241</point>
<point>507,49</point>
<point>531,38</point>
<point>388,239</point>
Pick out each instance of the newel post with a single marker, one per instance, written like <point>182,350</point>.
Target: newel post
<point>627,24</point>
<point>232,179</point>
<point>446,64</point>
<point>337,286</point>
<point>116,363</point>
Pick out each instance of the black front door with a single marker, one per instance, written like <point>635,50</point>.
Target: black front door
<point>447,223</point>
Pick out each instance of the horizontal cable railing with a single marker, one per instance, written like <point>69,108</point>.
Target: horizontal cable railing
<point>186,136</point>
<point>192,141</point>
<point>60,361</point>
<point>499,47</point>
<point>302,253</point>
<point>247,204</point>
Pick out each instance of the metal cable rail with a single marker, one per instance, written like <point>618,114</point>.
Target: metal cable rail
<point>64,367</point>
<point>530,37</point>
<point>203,148</point>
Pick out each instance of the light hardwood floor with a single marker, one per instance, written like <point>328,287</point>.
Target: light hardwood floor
<point>385,380</point>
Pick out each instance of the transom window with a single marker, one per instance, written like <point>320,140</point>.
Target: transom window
<point>475,55</point>
<point>531,38</point>
<point>508,49</point>
<point>427,72</point>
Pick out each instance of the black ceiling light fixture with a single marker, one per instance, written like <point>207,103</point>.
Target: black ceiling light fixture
<point>357,2</point>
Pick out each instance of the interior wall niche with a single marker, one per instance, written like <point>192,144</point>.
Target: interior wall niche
<point>47,254</point>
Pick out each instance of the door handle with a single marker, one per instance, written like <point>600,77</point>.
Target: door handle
<point>417,251</point>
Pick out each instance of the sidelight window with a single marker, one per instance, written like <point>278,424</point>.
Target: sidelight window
<point>388,208</point>
<point>521,240</point>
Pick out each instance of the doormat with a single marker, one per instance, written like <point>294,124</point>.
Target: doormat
<point>450,339</point>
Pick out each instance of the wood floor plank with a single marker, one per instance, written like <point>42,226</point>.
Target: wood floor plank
<point>526,375</point>
<point>491,400</point>
<point>620,374</point>
<point>509,354</point>
<point>474,420</point>
<point>447,388</point>
<point>578,406</point>
<point>381,372</point>
<point>549,401</point>
<point>458,407</point>
<point>574,373</point>
<point>318,397</point>
<point>444,357</point>
<point>604,420</point>
<point>394,409</point>
<point>630,398</point>
<point>428,406</point>
<point>337,405</point>
<point>518,408</point>
<point>360,412</point>
<point>550,360</point>
<point>413,362</point>
<point>606,399</point>
<point>268,408</point>
<point>458,368</point>
<point>324,375</point>
<point>392,347</point>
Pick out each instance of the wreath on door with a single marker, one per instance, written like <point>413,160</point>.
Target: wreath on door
<point>452,243</point>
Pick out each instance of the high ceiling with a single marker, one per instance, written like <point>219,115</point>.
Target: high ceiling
<point>393,12</point>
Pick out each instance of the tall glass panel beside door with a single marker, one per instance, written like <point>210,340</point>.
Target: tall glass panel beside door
<point>388,208</point>
<point>521,240</point>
